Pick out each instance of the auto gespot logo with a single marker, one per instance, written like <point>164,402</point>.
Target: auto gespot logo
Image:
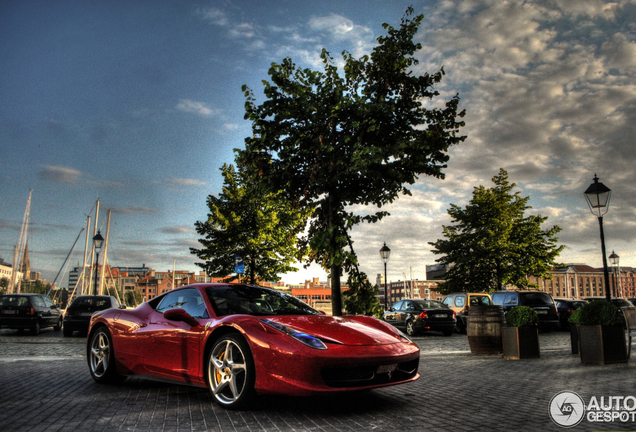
<point>567,409</point>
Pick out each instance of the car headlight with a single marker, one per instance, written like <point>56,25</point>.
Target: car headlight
<point>307,339</point>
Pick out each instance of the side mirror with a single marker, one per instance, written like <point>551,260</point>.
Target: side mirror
<point>122,306</point>
<point>180,315</point>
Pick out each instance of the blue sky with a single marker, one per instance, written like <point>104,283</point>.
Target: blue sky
<point>139,103</point>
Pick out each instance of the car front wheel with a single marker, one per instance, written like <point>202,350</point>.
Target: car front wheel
<point>36,328</point>
<point>101,357</point>
<point>231,372</point>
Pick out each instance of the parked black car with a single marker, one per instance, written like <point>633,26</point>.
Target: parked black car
<point>415,316</point>
<point>541,302</point>
<point>565,308</point>
<point>78,314</point>
<point>29,311</point>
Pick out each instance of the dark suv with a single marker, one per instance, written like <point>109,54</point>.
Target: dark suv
<point>29,311</point>
<point>541,302</point>
<point>78,314</point>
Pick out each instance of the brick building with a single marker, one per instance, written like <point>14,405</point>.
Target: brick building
<point>580,281</point>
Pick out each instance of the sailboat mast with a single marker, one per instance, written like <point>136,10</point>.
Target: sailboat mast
<point>83,277</point>
<point>93,248</point>
<point>101,279</point>
<point>19,251</point>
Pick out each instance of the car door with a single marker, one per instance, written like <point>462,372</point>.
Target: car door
<point>53,312</point>
<point>406,311</point>
<point>172,348</point>
<point>43,311</point>
<point>391,316</point>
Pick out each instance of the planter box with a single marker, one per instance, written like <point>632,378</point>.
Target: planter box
<point>520,342</point>
<point>574,338</point>
<point>602,345</point>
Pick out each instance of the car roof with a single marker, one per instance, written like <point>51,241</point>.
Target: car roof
<point>468,293</point>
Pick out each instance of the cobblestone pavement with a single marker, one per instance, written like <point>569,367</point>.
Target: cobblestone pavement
<point>46,386</point>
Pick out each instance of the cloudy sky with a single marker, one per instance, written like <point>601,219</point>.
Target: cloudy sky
<point>139,103</point>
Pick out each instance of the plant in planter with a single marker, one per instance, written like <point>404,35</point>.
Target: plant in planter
<point>574,319</point>
<point>601,331</point>
<point>520,337</point>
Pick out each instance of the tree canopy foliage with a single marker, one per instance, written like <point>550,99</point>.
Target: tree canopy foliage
<point>248,220</point>
<point>333,141</point>
<point>492,243</point>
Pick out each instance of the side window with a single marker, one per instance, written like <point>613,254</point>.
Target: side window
<point>37,301</point>
<point>48,302</point>
<point>511,299</point>
<point>189,300</point>
<point>497,299</point>
<point>397,306</point>
<point>483,300</point>
<point>408,306</point>
<point>114,303</point>
<point>449,300</point>
<point>459,301</point>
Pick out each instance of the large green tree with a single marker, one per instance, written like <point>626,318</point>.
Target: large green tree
<point>248,220</point>
<point>492,243</point>
<point>334,142</point>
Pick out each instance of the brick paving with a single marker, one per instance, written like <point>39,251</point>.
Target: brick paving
<point>45,386</point>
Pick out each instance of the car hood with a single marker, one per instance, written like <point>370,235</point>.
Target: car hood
<point>342,330</point>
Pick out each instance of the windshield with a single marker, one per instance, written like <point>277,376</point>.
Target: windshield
<point>537,299</point>
<point>89,302</point>
<point>252,300</point>
<point>430,305</point>
<point>9,300</point>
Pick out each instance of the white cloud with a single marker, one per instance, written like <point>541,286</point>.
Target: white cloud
<point>59,174</point>
<point>194,107</point>
<point>186,182</point>
<point>214,15</point>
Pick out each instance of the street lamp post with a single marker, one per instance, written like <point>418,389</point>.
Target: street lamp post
<point>598,197</point>
<point>614,259</point>
<point>98,241</point>
<point>384,254</point>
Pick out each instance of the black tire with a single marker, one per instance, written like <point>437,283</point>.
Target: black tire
<point>67,332</point>
<point>36,328</point>
<point>58,327</point>
<point>101,357</point>
<point>230,371</point>
<point>410,328</point>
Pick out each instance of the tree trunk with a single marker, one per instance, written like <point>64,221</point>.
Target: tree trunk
<point>336,297</point>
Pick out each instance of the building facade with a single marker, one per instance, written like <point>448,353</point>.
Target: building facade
<point>581,281</point>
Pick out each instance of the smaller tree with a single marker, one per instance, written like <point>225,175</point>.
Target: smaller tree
<point>4,284</point>
<point>247,220</point>
<point>133,298</point>
<point>362,297</point>
<point>491,243</point>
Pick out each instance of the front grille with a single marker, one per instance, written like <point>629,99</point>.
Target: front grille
<point>362,376</point>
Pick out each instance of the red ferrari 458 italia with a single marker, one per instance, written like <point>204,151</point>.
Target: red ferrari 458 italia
<point>241,340</point>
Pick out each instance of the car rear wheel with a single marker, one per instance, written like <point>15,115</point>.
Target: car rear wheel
<point>101,357</point>
<point>36,328</point>
<point>231,372</point>
<point>58,327</point>
<point>410,328</point>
